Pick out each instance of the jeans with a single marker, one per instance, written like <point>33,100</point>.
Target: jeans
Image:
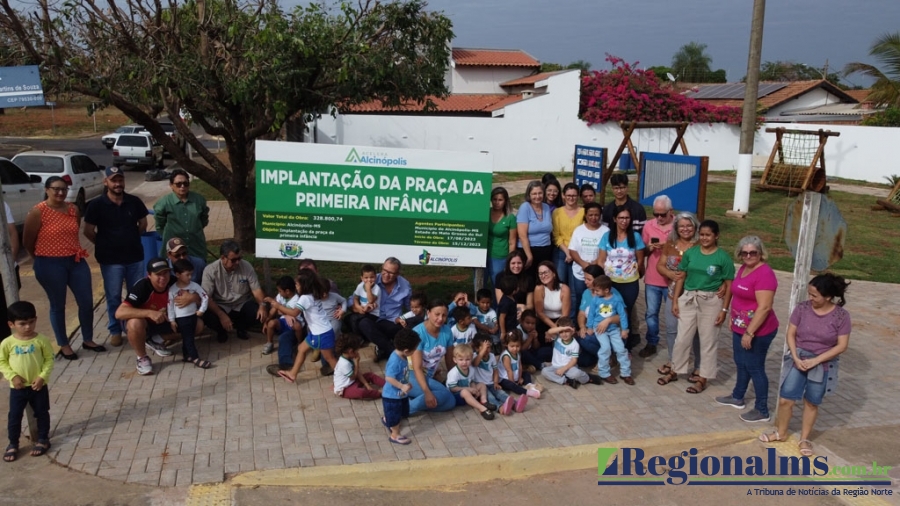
<point>495,266</point>
<point>381,333</point>
<point>113,277</point>
<point>497,397</point>
<point>654,296</point>
<point>514,387</point>
<point>629,293</point>
<point>563,269</point>
<point>187,327</point>
<point>672,333</point>
<point>40,403</point>
<point>445,399</point>
<point>287,348</point>
<point>537,357</point>
<point>587,357</point>
<point>56,273</point>
<point>751,364</point>
<point>610,341</point>
<point>241,318</point>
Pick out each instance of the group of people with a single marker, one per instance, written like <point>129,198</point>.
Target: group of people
<point>566,278</point>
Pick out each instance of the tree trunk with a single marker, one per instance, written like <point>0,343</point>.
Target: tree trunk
<point>242,200</point>
<point>244,218</point>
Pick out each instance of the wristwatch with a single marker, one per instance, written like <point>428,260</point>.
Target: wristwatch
<point>751,334</point>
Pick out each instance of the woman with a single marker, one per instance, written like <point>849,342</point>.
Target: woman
<point>502,233</point>
<point>565,220</point>
<point>818,332</point>
<point>51,237</point>
<point>682,238</point>
<point>553,194</point>
<point>621,255</point>
<point>552,299</point>
<point>515,265</point>
<point>587,193</point>
<point>428,393</point>
<point>584,247</point>
<point>535,226</point>
<point>753,327</point>
<point>699,308</point>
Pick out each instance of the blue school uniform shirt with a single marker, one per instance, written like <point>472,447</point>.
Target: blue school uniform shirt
<point>398,368</point>
<point>602,308</point>
<point>433,350</point>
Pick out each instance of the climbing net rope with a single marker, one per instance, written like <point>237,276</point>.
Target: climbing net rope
<point>795,156</point>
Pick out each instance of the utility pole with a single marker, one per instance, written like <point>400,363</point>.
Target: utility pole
<point>748,124</point>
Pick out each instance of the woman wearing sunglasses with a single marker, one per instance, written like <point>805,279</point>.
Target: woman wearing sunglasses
<point>183,214</point>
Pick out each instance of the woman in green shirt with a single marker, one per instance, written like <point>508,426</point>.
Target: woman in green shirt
<point>698,308</point>
<point>502,233</point>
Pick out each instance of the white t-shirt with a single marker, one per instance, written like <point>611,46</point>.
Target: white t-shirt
<point>292,303</point>
<point>314,311</point>
<point>343,374</point>
<point>462,336</point>
<point>488,319</point>
<point>174,311</point>
<point>360,294</point>
<point>484,372</point>
<point>456,378</point>
<point>331,304</point>
<point>514,365</point>
<point>587,244</point>
<point>564,353</point>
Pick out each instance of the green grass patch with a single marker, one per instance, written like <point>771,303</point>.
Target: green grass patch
<point>204,189</point>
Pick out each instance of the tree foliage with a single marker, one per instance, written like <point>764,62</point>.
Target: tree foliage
<point>581,65</point>
<point>691,64</point>
<point>889,117</point>
<point>791,71</point>
<point>240,69</point>
<point>628,93</point>
<point>886,89</point>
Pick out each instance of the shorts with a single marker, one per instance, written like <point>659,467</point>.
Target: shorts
<point>459,400</point>
<point>158,328</point>
<point>321,341</point>
<point>797,386</point>
<point>284,325</point>
<point>395,410</point>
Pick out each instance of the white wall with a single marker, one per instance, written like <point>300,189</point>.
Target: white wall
<point>470,79</point>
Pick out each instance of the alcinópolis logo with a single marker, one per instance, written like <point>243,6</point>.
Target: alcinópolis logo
<point>631,466</point>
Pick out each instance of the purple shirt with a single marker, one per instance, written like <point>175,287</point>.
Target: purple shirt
<point>743,302</point>
<point>819,333</point>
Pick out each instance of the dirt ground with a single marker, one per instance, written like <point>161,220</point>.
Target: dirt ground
<point>69,118</point>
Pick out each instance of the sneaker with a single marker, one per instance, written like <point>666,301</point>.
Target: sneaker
<point>157,339</point>
<point>487,414</point>
<point>594,379</point>
<point>533,392</point>
<point>144,366</point>
<point>268,348</point>
<point>728,400</point>
<point>490,405</point>
<point>115,339</point>
<point>506,408</point>
<point>157,347</point>
<point>521,402</point>
<point>648,351</point>
<point>573,383</point>
<point>753,416</point>
<point>274,368</point>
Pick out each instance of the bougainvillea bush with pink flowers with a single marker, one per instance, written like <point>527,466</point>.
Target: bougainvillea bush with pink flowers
<point>627,93</point>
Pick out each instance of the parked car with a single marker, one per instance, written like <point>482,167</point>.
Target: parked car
<point>110,139</point>
<point>20,191</point>
<point>137,150</point>
<point>78,170</point>
<point>173,133</point>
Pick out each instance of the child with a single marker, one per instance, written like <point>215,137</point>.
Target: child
<point>564,367</point>
<point>485,317</point>
<point>532,355</point>
<point>461,381</point>
<point>184,319</point>
<point>609,320</point>
<point>485,365</point>
<point>284,304</point>
<point>367,293</point>
<point>507,312</point>
<point>313,294</point>
<point>394,396</point>
<point>462,330</point>
<point>460,299</point>
<point>26,360</point>
<point>512,377</point>
<point>348,382</point>
<point>416,313</point>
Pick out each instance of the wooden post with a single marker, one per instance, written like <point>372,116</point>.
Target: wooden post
<point>701,191</point>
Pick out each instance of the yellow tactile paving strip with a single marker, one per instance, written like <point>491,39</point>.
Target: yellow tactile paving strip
<point>218,494</point>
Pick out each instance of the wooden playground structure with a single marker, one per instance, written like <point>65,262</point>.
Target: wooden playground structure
<point>797,161</point>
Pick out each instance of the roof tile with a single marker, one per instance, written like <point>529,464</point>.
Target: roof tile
<point>452,103</point>
<point>493,57</point>
<point>532,79</point>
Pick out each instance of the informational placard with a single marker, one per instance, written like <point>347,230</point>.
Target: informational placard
<point>20,86</point>
<point>589,162</point>
<point>364,204</point>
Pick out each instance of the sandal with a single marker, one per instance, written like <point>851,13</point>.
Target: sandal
<point>40,448</point>
<point>11,453</point>
<point>287,376</point>
<point>695,376</point>
<point>808,451</point>
<point>672,376</point>
<point>202,364</point>
<point>697,387</point>
<point>665,369</point>
<point>770,438</point>
<point>402,440</point>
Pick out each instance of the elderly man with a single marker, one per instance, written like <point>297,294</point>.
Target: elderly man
<point>235,297</point>
<point>655,234</point>
<point>114,222</point>
<point>144,313</point>
<point>394,300</point>
<point>177,249</point>
<point>183,214</point>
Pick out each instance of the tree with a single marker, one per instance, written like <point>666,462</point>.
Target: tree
<point>661,72</point>
<point>886,89</point>
<point>791,71</point>
<point>241,70</point>
<point>581,65</point>
<point>691,64</point>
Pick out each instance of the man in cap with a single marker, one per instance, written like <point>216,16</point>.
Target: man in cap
<point>114,222</point>
<point>235,297</point>
<point>144,312</point>
<point>176,249</point>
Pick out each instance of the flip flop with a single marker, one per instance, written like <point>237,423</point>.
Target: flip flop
<point>40,448</point>
<point>287,377</point>
<point>11,453</point>
<point>402,440</point>
<point>808,451</point>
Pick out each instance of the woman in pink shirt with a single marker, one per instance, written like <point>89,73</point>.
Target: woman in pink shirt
<point>753,325</point>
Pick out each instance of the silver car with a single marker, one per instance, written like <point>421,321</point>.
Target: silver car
<point>84,177</point>
<point>20,191</point>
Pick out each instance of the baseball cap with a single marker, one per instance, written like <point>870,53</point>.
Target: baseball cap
<point>114,171</point>
<point>157,265</point>
<point>174,244</point>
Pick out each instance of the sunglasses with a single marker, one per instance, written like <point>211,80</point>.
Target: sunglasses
<point>660,215</point>
<point>182,184</point>
<point>748,254</point>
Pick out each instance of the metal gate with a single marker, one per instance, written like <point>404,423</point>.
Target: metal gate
<point>680,177</point>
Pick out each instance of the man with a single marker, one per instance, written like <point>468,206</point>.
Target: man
<point>114,222</point>
<point>176,249</point>
<point>619,183</point>
<point>14,251</point>
<point>144,312</point>
<point>394,300</point>
<point>655,234</point>
<point>183,214</point>
<point>235,297</point>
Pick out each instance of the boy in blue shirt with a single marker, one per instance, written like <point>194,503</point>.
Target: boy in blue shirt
<point>608,318</point>
<point>394,394</point>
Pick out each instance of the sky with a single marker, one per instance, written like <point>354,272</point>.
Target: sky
<point>651,31</point>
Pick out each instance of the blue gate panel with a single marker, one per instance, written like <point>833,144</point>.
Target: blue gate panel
<point>676,176</point>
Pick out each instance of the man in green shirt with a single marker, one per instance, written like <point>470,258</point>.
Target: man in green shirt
<point>183,214</point>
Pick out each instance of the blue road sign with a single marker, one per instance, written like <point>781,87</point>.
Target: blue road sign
<point>20,86</point>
